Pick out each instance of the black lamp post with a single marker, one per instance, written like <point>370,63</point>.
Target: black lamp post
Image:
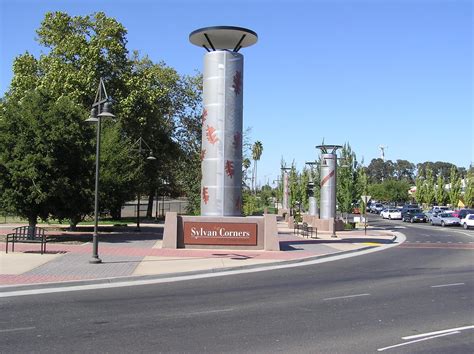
<point>101,108</point>
<point>140,142</point>
<point>165,185</point>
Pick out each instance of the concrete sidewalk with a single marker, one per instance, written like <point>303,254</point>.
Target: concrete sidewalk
<point>134,254</point>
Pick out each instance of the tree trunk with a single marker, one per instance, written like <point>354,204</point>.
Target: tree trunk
<point>73,223</point>
<point>149,210</point>
<point>256,177</point>
<point>254,169</point>
<point>32,221</point>
<point>32,224</point>
<point>116,213</point>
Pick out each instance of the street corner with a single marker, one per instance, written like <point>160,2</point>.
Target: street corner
<point>15,263</point>
<point>155,265</point>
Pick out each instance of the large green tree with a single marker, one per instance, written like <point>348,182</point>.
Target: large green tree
<point>438,167</point>
<point>347,180</point>
<point>380,170</point>
<point>80,50</point>
<point>430,189</point>
<point>390,190</point>
<point>469,189</point>
<point>44,158</point>
<point>404,169</point>
<point>440,193</point>
<point>257,150</point>
<point>454,187</point>
<point>164,109</point>
<point>420,188</point>
<point>152,101</point>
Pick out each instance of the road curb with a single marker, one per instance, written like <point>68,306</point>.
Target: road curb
<point>5,290</point>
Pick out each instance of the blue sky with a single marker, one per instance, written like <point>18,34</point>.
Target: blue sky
<point>397,73</point>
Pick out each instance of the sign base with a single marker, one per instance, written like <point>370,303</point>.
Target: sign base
<point>223,232</point>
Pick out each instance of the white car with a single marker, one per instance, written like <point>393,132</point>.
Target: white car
<point>391,214</point>
<point>468,221</point>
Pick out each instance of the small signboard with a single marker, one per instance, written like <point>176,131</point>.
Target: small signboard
<point>211,233</point>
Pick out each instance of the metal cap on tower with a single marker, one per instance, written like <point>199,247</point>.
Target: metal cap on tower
<point>223,37</point>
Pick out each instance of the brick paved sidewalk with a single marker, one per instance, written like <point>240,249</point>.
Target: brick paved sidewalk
<point>127,254</point>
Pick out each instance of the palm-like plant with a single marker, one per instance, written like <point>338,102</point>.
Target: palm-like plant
<point>257,150</point>
<point>245,164</point>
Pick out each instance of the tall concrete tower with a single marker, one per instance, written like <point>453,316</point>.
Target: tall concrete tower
<point>328,180</point>
<point>221,153</point>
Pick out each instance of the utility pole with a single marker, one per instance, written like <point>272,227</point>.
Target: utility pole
<point>382,156</point>
<point>382,152</point>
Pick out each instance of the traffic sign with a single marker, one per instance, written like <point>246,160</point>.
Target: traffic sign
<point>365,198</point>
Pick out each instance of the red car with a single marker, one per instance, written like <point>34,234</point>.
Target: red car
<point>461,213</point>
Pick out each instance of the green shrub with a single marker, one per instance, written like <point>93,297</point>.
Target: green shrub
<point>349,226</point>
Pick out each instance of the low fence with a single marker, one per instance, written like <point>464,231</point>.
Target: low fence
<point>9,219</point>
<point>160,207</point>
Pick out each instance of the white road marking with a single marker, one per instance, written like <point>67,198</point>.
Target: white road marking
<point>445,285</point>
<point>438,332</point>
<point>345,297</point>
<point>17,329</point>
<point>464,233</point>
<point>175,278</point>
<point>415,341</point>
<point>208,312</point>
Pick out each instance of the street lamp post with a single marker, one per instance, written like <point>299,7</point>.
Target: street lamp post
<point>140,142</point>
<point>98,112</point>
<point>310,189</point>
<point>165,184</point>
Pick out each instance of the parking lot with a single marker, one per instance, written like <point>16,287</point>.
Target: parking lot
<point>436,216</point>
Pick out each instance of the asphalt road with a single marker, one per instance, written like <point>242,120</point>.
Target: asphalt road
<point>414,298</point>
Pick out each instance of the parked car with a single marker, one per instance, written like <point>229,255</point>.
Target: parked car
<point>391,213</point>
<point>438,208</point>
<point>444,219</point>
<point>429,215</point>
<point>409,207</point>
<point>468,221</point>
<point>377,208</point>
<point>414,215</point>
<point>461,213</point>
<point>404,211</point>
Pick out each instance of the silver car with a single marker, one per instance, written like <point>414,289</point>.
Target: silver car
<point>444,219</point>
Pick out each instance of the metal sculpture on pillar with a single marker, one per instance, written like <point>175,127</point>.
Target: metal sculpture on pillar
<point>328,183</point>
<point>221,153</point>
<point>313,206</point>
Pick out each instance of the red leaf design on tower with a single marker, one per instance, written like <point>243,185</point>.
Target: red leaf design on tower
<point>237,85</point>
<point>203,116</point>
<point>211,135</point>
<point>237,140</point>
<point>203,154</point>
<point>229,168</point>
<point>205,195</point>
